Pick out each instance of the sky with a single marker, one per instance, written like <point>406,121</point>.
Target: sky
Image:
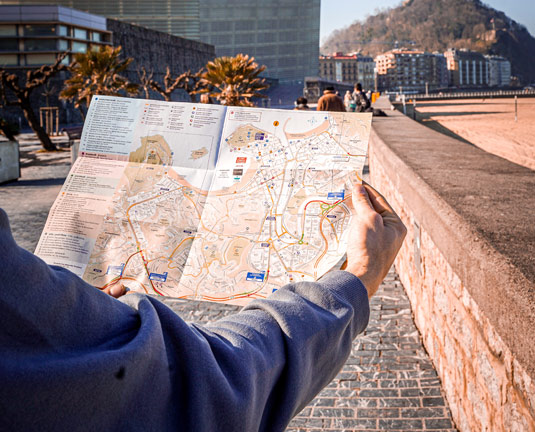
<point>336,14</point>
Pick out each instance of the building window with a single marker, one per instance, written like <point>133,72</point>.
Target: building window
<point>79,47</point>
<point>8,60</point>
<point>39,30</point>
<point>96,37</point>
<point>244,25</point>
<point>220,26</point>
<point>9,44</point>
<point>222,39</point>
<point>40,59</point>
<point>267,37</point>
<point>80,33</point>
<point>63,30</point>
<point>8,30</point>
<point>63,45</point>
<point>40,45</point>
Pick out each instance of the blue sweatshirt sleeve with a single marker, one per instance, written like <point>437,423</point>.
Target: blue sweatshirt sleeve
<point>74,358</point>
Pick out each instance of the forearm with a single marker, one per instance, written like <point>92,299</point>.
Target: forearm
<point>263,365</point>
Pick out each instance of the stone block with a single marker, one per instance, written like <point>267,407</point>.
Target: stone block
<point>489,376</point>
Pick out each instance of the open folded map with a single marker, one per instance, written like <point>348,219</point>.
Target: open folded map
<point>206,202</point>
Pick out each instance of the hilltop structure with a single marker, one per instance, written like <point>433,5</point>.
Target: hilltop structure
<point>438,25</point>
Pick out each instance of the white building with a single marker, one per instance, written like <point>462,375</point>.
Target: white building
<point>499,71</point>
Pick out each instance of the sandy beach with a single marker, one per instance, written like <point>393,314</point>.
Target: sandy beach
<point>487,123</point>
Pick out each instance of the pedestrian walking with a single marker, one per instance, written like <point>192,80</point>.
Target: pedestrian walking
<point>301,104</point>
<point>330,101</point>
<point>347,100</point>
<point>361,101</point>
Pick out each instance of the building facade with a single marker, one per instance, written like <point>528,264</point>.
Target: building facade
<point>348,68</point>
<point>32,36</point>
<point>499,71</point>
<point>410,70</point>
<point>467,69</point>
<point>281,34</point>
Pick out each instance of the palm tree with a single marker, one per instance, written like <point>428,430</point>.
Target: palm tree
<point>233,80</point>
<point>97,73</point>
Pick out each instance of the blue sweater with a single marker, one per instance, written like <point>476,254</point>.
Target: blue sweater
<point>73,358</point>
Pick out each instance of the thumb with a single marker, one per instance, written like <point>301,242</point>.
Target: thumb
<point>360,198</point>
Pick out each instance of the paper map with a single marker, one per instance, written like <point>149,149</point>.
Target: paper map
<point>206,202</point>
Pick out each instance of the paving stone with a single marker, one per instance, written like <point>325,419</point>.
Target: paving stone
<point>393,424</point>
<point>439,423</point>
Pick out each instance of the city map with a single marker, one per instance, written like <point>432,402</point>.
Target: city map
<point>206,202</point>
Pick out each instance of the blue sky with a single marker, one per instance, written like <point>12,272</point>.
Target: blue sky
<point>336,14</point>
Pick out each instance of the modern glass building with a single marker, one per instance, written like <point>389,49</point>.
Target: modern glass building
<point>281,34</point>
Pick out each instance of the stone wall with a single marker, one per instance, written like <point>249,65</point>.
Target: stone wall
<point>487,377</point>
<point>156,50</point>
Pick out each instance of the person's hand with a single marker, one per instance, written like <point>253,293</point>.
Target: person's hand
<point>115,290</point>
<point>375,237</point>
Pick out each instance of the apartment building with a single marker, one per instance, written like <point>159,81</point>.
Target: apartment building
<point>411,70</point>
<point>348,68</point>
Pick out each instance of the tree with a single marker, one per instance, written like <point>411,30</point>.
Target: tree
<point>9,83</point>
<point>145,79</point>
<point>8,129</point>
<point>97,73</point>
<point>187,81</point>
<point>233,80</point>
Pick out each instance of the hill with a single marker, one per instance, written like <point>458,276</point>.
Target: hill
<point>436,25</point>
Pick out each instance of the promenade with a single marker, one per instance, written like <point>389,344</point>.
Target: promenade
<point>388,383</point>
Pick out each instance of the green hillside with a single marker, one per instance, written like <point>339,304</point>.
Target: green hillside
<point>436,25</point>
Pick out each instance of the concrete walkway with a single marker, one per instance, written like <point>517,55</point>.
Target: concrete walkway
<point>387,384</point>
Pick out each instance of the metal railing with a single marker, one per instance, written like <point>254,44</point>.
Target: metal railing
<point>472,94</point>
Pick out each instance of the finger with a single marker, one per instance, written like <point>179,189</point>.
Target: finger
<point>117,290</point>
<point>379,203</point>
<point>360,198</point>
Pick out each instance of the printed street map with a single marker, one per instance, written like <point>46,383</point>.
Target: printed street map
<point>206,202</point>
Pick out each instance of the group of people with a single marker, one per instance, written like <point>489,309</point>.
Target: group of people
<point>356,101</point>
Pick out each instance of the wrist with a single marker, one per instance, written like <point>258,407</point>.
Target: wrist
<point>367,280</point>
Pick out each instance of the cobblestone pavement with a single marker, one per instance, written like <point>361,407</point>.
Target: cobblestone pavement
<point>28,200</point>
<point>387,384</point>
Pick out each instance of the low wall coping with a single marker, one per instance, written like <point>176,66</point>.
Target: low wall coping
<point>479,209</point>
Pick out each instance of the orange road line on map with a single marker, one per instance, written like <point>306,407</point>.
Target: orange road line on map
<point>180,244</point>
<point>148,273</point>
<point>118,278</point>
<point>324,238</point>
